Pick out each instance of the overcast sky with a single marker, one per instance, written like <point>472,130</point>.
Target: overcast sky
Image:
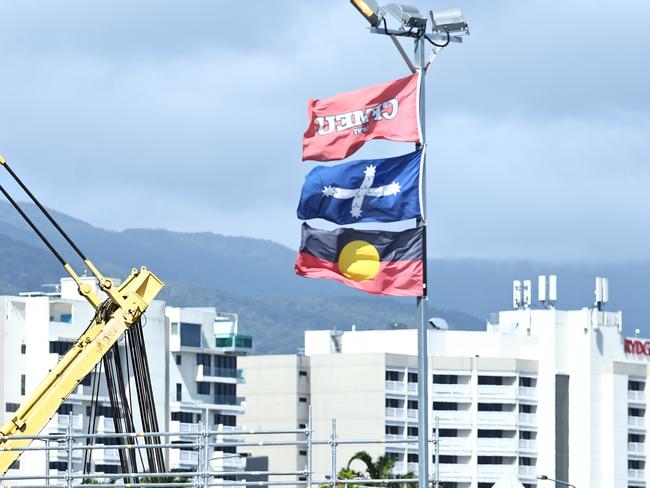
<point>189,116</point>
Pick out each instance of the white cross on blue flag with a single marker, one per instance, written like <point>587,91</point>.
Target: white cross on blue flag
<point>371,190</point>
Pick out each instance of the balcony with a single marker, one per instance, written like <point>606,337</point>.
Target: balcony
<point>227,462</point>
<point>233,342</point>
<point>455,472</point>
<point>636,422</point>
<point>495,471</point>
<point>497,419</point>
<point>636,447</point>
<point>411,413</point>
<point>527,444</point>
<point>527,392</point>
<point>453,418</point>
<point>188,457</point>
<point>229,400</point>
<point>529,419</point>
<point>528,472</point>
<point>497,392</point>
<point>636,474</point>
<point>395,413</point>
<point>395,386</point>
<point>218,375</point>
<point>497,445</point>
<point>412,388</point>
<point>455,445</point>
<point>450,392</point>
<point>412,468</point>
<point>63,420</point>
<point>636,396</point>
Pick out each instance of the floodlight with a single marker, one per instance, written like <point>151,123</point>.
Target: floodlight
<point>370,10</point>
<point>450,20</point>
<point>410,17</point>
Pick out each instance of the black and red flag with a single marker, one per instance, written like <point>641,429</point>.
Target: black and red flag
<point>378,262</point>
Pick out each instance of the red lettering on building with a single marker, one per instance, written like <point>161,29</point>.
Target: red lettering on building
<point>637,346</point>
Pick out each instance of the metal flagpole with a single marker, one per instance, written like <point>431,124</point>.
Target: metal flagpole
<point>423,349</point>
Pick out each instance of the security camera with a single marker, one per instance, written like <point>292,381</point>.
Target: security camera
<point>410,17</point>
<point>446,21</point>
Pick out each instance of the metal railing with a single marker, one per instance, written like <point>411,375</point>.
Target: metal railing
<point>197,453</point>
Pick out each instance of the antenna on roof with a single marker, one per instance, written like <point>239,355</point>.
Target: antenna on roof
<point>601,292</point>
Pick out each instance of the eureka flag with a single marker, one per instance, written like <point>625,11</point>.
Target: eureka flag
<point>371,190</point>
<point>340,125</point>
<point>378,262</point>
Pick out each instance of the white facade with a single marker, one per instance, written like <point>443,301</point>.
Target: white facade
<point>37,328</point>
<point>539,392</point>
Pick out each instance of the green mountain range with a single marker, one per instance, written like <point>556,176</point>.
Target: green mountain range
<point>252,277</point>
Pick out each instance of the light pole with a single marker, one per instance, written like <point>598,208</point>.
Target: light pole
<point>563,483</point>
<point>445,27</point>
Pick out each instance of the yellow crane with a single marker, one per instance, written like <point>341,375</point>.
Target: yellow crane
<point>123,307</point>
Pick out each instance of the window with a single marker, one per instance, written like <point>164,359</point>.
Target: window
<point>635,438</point>
<point>445,406</point>
<point>60,347</point>
<point>526,461</point>
<point>203,359</point>
<point>525,434</point>
<point>59,465</point>
<point>636,412</point>
<point>412,405</point>
<point>635,464</point>
<point>412,457</point>
<point>11,407</point>
<point>448,432</point>
<point>490,380</point>
<point>392,376</point>
<point>302,373</point>
<point>392,403</point>
<point>634,385</point>
<point>412,431</point>
<point>108,468</point>
<point>302,426</point>
<point>178,359</point>
<point>302,399</point>
<point>179,392</point>
<point>490,433</point>
<point>525,381</point>
<point>447,459</point>
<point>22,384</point>
<point>23,349</point>
<point>202,388</point>
<point>445,379</point>
<point>491,407</point>
<point>104,411</point>
<point>184,417</point>
<point>64,409</point>
<point>229,420</point>
<point>87,380</point>
<point>15,464</point>
<point>302,452</point>
<point>391,429</point>
<point>490,460</point>
<point>174,328</point>
<point>412,377</point>
<point>190,334</point>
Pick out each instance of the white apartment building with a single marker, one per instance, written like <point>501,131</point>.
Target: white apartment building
<point>192,357</point>
<point>541,391</point>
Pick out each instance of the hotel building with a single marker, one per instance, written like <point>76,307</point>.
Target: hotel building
<point>540,391</point>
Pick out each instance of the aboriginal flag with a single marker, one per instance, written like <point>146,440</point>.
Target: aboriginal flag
<point>378,262</point>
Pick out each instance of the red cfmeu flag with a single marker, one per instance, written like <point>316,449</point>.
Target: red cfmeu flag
<point>340,125</point>
<point>378,262</point>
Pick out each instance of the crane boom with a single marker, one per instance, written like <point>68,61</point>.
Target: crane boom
<point>123,307</point>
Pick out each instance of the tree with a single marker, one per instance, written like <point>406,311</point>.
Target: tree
<point>380,469</point>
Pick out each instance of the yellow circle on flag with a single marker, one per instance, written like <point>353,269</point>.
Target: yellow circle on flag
<point>359,261</point>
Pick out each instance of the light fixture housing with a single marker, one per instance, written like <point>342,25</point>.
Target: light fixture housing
<point>409,17</point>
<point>370,11</point>
<point>448,21</point>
